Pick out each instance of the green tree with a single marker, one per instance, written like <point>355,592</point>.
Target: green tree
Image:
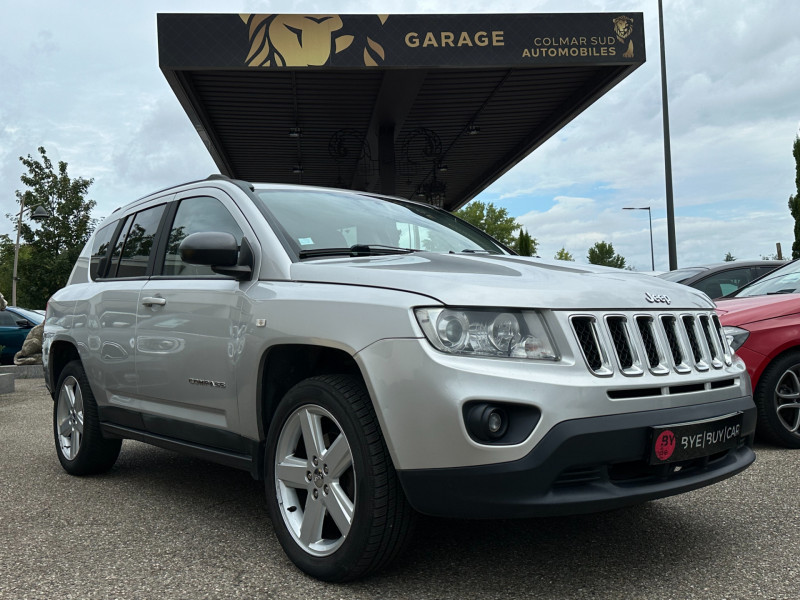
<point>602,253</point>
<point>51,248</point>
<point>729,257</point>
<point>491,219</point>
<point>794,200</point>
<point>525,245</point>
<point>564,255</point>
<point>6,266</point>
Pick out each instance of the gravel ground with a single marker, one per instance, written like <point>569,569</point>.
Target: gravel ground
<point>161,525</point>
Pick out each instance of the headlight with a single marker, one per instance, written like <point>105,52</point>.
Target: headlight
<point>736,336</point>
<point>480,332</point>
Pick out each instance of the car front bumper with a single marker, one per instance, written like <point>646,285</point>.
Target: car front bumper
<point>581,466</point>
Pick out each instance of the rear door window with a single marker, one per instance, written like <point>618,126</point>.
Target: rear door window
<point>98,263</point>
<point>134,247</point>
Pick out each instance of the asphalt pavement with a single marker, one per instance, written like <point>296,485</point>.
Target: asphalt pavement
<point>160,525</point>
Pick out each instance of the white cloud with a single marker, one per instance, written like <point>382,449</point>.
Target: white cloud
<point>578,223</point>
<point>94,97</point>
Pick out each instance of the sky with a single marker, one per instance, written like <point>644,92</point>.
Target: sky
<point>82,80</point>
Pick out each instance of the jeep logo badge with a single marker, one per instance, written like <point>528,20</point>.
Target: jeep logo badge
<point>657,298</point>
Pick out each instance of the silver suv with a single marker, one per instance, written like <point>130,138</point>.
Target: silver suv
<point>369,358</point>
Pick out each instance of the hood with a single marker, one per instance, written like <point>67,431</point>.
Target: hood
<point>740,311</point>
<point>507,281</point>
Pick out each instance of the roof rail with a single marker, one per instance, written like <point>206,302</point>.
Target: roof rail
<point>245,185</point>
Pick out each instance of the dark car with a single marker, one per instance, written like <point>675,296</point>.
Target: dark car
<point>15,324</point>
<point>762,323</point>
<point>721,279</point>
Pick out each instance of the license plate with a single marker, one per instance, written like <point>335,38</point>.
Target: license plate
<point>684,441</point>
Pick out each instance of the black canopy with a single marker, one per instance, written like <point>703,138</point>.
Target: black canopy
<point>431,107</point>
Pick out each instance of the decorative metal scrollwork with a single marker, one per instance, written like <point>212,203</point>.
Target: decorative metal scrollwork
<point>421,156</point>
<point>350,149</point>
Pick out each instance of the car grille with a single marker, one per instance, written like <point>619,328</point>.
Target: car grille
<point>661,343</point>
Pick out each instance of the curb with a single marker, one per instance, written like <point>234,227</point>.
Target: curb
<point>23,371</point>
<point>6,383</point>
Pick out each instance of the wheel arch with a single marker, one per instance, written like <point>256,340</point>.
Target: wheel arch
<point>60,354</point>
<point>779,353</point>
<point>285,365</point>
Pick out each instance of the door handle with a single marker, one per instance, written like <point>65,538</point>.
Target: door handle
<point>153,301</point>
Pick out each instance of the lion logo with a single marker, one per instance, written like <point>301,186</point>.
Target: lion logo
<point>302,40</point>
<point>623,28</point>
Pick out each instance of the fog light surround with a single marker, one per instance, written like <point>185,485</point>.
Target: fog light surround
<point>499,424</point>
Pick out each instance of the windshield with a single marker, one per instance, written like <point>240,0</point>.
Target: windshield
<point>680,274</point>
<point>318,221</point>
<point>785,280</point>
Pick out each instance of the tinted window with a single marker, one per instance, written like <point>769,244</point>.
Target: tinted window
<point>195,215</point>
<point>100,246</point>
<point>117,252</point>
<point>134,247</point>
<point>785,280</point>
<point>8,319</point>
<point>759,271</point>
<point>21,313</point>
<point>723,283</point>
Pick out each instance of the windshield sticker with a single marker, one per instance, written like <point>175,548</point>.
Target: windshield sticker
<point>305,241</point>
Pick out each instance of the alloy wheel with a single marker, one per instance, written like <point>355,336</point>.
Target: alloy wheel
<point>315,481</point>
<point>787,399</point>
<point>69,418</point>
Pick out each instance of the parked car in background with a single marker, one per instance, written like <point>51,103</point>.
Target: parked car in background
<point>721,279</point>
<point>15,324</point>
<point>762,324</point>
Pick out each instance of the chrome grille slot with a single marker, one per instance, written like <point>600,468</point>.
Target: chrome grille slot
<point>726,353</point>
<point>586,331</point>
<point>713,345</point>
<point>671,332</point>
<point>698,352</point>
<point>688,323</point>
<point>660,342</point>
<point>676,345</point>
<point>649,340</point>
<point>627,358</point>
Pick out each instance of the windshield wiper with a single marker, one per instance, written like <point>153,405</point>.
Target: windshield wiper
<point>356,250</point>
<point>785,291</point>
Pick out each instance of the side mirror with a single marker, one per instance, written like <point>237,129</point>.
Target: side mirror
<point>218,250</point>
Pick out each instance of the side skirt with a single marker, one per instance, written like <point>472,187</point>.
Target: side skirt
<point>251,461</point>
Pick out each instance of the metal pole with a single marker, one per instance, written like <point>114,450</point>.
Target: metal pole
<point>16,253</point>
<point>673,253</point>
<point>652,254</point>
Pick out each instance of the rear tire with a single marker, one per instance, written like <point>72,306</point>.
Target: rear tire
<point>777,397</point>
<point>334,498</point>
<point>81,447</point>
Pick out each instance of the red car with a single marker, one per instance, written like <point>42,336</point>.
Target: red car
<point>762,323</point>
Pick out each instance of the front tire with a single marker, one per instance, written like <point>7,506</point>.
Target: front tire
<point>777,397</point>
<point>333,495</point>
<point>80,446</point>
